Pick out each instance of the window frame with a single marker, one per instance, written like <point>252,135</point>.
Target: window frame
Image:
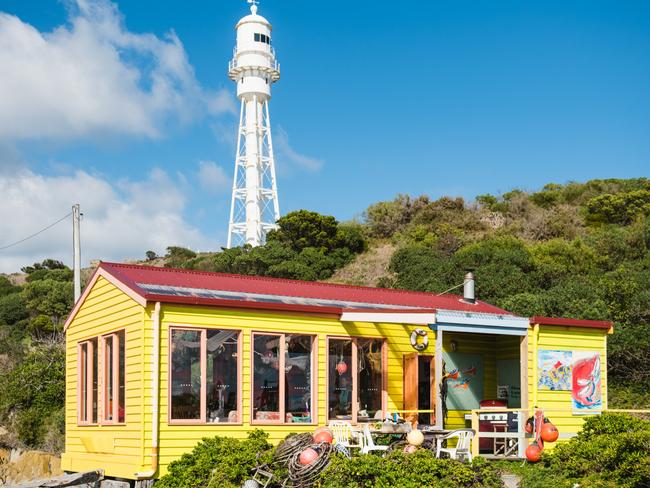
<point>202,420</point>
<point>90,376</point>
<point>114,362</point>
<point>355,375</point>
<point>281,404</point>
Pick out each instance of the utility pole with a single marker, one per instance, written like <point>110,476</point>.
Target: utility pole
<point>76,242</point>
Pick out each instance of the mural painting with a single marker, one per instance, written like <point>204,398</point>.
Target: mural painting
<point>554,370</point>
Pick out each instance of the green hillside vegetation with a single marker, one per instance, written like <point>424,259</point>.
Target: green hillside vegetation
<point>578,250</point>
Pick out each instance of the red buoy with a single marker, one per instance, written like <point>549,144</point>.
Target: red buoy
<point>549,433</point>
<point>323,436</point>
<point>341,367</point>
<point>533,453</point>
<point>308,456</point>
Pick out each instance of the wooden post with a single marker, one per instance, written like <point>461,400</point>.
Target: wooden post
<point>438,359</point>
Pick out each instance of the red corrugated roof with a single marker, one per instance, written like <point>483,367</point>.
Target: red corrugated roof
<point>594,324</point>
<point>132,275</point>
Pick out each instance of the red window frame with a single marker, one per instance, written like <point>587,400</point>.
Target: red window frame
<point>202,420</point>
<point>281,366</point>
<point>111,367</point>
<point>355,375</point>
<point>87,376</point>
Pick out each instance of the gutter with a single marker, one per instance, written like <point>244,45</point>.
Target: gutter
<point>155,396</point>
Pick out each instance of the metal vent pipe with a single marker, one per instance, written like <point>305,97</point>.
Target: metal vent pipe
<point>468,288</point>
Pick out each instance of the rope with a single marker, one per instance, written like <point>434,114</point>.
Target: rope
<point>306,476</point>
<point>293,444</point>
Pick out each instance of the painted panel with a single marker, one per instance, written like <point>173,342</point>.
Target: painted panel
<point>554,370</point>
<point>465,377</point>
<point>586,392</point>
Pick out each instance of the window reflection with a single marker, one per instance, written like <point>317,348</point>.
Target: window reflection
<point>266,377</point>
<point>297,377</point>
<point>340,379</point>
<point>369,377</point>
<point>222,375</point>
<point>186,375</point>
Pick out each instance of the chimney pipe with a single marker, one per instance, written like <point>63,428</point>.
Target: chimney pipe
<point>468,288</point>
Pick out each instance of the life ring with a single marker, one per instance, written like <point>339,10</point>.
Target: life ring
<point>419,346</point>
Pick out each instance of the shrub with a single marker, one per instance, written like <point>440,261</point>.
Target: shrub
<point>32,397</point>
<point>221,462</point>
<point>612,450</point>
<point>415,470</point>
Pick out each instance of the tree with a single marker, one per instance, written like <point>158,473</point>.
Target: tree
<point>303,228</point>
<point>7,287</point>
<point>151,255</point>
<point>49,297</point>
<point>177,257</point>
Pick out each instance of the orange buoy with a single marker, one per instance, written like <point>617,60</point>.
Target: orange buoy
<point>308,456</point>
<point>323,436</point>
<point>341,367</point>
<point>533,453</point>
<point>549,433</point>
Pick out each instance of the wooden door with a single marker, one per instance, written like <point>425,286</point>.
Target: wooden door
<point>410,388</point>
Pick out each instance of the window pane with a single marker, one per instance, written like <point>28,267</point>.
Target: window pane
<point>369,375</point>
<point>222,381</point>
<point>186,374</point>
<point>83,390</point>
<point>122,378</point>
<point>108,378</point>
<point>257,38</point>
<point>297,378</point>
<point>339,372</point>
<point>93,344</point>
<point>266,377</point>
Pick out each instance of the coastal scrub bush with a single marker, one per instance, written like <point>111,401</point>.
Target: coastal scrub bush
<point>612,450</point>
<point>222,462</point>
<point>399,470</point>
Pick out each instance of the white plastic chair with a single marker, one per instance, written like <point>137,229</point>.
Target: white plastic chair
<point>368,442</point>
<point>463,445</point>
<point>344,435</point>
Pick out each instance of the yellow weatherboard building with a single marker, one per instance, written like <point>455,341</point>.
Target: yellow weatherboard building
<point>159,358</point>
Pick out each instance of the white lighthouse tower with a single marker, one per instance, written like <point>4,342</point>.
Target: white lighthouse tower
<point>254,208</point>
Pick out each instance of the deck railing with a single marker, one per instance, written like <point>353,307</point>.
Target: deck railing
<point>513,441</point>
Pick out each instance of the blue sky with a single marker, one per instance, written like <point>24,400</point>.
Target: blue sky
<point>376,98</point>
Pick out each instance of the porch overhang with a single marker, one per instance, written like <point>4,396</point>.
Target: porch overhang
<point>480,323</point>
<point>424,317</point>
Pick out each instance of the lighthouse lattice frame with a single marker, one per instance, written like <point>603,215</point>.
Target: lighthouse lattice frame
<point>254,207</point>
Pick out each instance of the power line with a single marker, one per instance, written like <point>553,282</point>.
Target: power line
<point>36,233</point>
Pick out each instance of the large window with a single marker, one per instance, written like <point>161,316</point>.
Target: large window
<point>113,377</point>
<point>88,387</point>
<point>283,378</point>
<point>355,375</point>
<point>204,375</point>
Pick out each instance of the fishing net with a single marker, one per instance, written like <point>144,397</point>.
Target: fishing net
<point>293,444</point>
<point>306,475</point>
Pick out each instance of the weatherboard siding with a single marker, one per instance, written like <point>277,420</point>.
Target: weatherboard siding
<point>123,450</point>
<point>557,404</point>
<point>115,448</point>
<point>178,439</point>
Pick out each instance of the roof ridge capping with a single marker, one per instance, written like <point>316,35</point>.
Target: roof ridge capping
<point>451,296</point>
<point>567,322</point>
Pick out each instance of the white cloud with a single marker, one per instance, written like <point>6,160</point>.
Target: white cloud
<point>287,154</point>
<point>93,76</point>
<point>120,221</point>
<point>213,178</point>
